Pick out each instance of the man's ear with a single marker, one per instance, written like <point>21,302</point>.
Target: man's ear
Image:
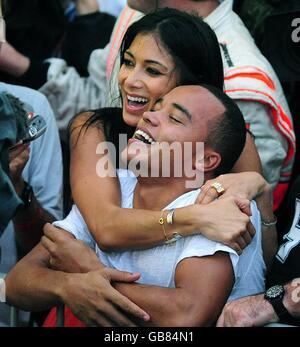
<point>210,161</point>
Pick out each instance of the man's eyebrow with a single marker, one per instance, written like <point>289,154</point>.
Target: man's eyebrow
<point>159,101</point>
<point>183,110</point>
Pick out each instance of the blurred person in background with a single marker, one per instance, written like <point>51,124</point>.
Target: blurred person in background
<point>35,172</point>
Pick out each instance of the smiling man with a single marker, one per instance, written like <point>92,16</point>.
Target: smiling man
<point>193,265</point>
<point>197,275</point>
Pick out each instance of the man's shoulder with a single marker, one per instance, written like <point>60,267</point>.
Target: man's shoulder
<point>23,93</point>
<point>34,100</point>
<point>237,45</point>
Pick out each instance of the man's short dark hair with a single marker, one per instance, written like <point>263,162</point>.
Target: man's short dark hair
<point>227,134</point>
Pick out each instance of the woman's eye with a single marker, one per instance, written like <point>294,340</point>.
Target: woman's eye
<point>153,72</point>
<point>128,62</point>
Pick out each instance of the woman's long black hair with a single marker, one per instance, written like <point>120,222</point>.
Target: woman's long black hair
<point>191,43</point>
<point>189,40</point>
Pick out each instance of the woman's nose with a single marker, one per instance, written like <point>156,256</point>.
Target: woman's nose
<point>133,80</point>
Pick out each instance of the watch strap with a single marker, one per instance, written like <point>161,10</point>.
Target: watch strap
<point>281,311</point>
<point>278,306</point>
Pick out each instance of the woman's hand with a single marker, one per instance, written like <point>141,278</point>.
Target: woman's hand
<point>67,253</point>
<point>226,220</point>
<point>246,185</point>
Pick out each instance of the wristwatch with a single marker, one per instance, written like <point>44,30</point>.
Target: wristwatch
<point>2,290</point>
<point>275,296</point>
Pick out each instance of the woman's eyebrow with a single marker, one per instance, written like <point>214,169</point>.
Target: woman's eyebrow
<point>150,61</point>
<point>129,53</point>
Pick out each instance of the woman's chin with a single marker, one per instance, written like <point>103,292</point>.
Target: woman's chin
<point>130,119</point>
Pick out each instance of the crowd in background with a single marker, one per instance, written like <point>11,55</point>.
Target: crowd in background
<point>60,58</point>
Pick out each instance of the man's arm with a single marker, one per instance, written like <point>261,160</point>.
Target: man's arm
<point>257,311</point>
<point>31,217</point>
<point>33,286</point>
<point>202,288</point>
<point>202,284</point>
<point>13,62</point>
<point>43,172</point>
<point>272,156</point>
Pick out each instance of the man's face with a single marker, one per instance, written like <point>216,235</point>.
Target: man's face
<point>181,116</point>
<point>147,6</point>
<point>144,6</point>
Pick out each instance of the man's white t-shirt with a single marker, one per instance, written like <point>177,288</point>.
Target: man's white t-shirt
<point>157,265</point>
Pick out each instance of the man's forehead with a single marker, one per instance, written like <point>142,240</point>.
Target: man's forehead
<point>197,99</point>
<point>190,94</point>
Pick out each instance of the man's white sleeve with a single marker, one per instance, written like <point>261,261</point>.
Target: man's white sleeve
<point>75,224</point>
<point>199,246</point>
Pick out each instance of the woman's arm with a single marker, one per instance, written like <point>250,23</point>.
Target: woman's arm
<point>98,199</point>
<point>253,186</point>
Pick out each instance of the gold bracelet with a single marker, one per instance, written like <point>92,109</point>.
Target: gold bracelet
<point>161,221</point>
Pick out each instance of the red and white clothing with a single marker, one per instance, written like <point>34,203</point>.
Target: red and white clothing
<point>249,79</point>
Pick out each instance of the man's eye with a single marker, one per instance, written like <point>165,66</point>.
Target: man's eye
<point>128,62</point>
<point>153,72</point>
<point>174,119</point>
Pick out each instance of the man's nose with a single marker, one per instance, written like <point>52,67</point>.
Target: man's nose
<point>152,117</point>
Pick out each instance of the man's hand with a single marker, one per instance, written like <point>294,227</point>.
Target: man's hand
<point>228,221</point>
<point>246,185</point>
<point>250,311</point>
<point>94,301</point>
<point>67,253</point>
<point>17,161</point>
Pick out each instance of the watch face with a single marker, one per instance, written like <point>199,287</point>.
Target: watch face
<point>275,291</point>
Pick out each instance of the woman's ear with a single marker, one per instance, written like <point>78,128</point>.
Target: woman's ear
<point>210,161</point>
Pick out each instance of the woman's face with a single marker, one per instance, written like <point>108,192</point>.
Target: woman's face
<point>147,73</point>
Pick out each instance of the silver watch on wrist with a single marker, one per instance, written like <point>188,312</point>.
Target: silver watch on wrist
<point>2,290</point>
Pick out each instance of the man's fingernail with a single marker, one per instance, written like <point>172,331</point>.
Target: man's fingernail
<point>146,317</point>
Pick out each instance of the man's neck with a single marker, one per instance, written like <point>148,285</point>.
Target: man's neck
<point>156,193</point>
<point>202,8</point>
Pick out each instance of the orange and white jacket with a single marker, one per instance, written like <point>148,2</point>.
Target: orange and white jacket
<point>249,79</point>
<point>252,82</point>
